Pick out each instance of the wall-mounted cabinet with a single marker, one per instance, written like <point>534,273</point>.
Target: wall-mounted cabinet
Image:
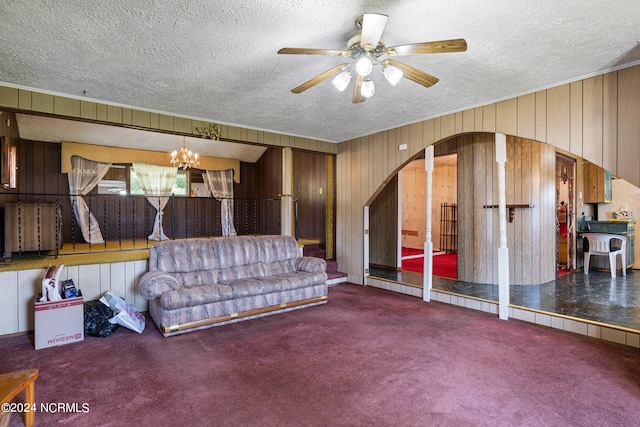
<point>597,187</point>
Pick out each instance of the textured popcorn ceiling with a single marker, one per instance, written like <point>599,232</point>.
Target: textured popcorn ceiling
<point>217,61</point>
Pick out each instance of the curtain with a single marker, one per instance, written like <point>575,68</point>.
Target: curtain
<point>221,185</point>
<point>83,177</point>
<point>157,183</point>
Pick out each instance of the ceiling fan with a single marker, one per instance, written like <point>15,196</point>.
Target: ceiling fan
<point>368,49</point>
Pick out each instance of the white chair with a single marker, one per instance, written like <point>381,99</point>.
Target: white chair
<point>600,244</point>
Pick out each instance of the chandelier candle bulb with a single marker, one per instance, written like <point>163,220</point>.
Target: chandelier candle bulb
<point>185,158</point>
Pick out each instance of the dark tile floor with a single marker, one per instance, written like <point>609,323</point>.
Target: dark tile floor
<point>596,296</point>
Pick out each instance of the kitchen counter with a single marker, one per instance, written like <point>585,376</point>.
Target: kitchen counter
<point>623,227</point>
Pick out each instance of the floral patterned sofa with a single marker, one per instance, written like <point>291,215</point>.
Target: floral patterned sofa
<point>194,284</point>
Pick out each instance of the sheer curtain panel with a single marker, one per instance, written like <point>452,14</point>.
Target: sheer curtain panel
<point>221,185</point>
<point>157,183</point>
<point>83,177</point>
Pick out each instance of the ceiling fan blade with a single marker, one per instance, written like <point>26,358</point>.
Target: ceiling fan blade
<point>420,77</point>
<point>442,46</point>
<point>372,27</point>
<point>319,78</point>
<point>312,51</point>
<point>357,94</point>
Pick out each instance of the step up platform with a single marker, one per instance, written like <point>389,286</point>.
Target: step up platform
<point>333,275</point>
<point>312,248</point>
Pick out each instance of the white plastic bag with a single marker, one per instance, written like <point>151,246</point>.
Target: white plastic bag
<point>126,314</point>
<point>51,284</point>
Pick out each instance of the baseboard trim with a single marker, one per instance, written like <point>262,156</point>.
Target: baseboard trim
<point>239,315</point>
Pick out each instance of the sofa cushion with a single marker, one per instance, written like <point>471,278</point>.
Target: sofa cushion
<point>283,282</point>
<point>252,286</point>
<point>310,264</point>
<point>194,296</point>
<point>241,272</point>
<point>236,251</point>
<point>185,256</point>
<point>300,279</point>
<point>278,248</point>
<point>197,277</point>
<point>279,267</point>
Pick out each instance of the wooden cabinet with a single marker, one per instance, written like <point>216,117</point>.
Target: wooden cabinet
<point>32,227</point>
<point>597,188</point>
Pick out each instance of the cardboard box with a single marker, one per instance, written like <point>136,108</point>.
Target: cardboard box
<point>59,322</point>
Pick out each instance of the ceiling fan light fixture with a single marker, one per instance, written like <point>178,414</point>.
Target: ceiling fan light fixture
<point>364,66</point>
<point>392,74</point>
<point>367,49</point>
<point>367,89</point>
<point>341,81</point>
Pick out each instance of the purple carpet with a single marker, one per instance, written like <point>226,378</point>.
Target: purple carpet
<point>367,358</point>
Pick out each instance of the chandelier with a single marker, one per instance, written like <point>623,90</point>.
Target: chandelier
<point>184,158</point>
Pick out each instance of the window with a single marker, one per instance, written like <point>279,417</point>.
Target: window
<point>180,186</point>
<point>115,182</point>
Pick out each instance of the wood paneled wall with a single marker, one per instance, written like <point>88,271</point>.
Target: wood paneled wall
<point>530,180</point>
<point>597,118</point>
<point>383,227</point>
<point>262,179</point>
<point>38,171</point>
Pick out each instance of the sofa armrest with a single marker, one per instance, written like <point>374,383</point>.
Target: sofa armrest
<point>311,264</point>
<point>155,283</point>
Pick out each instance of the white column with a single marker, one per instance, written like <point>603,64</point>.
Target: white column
<point>427,277</point>
<point>503,250</point>
<point>366,245</point>
<point>399,239</point>
<point>287,225</point>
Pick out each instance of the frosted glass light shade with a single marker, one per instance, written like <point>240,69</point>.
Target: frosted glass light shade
<point>392,74</point>
<point>341,81</point>
<point>367,89</point>
<point>364,66</point>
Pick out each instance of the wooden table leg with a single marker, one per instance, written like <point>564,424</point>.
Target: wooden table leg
<point>11,385</point>
<point>30,399</point>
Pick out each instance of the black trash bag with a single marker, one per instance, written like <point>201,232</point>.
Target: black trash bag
<point>96,319</point>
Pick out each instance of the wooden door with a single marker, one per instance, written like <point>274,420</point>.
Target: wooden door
<point>313,188</point>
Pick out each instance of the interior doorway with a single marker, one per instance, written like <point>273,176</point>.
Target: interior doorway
<point>565,214</point>
<point>444,225</point>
